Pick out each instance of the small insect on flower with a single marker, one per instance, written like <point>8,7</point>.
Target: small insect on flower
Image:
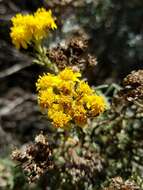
<point>31,28</point>
<point>66,99</point>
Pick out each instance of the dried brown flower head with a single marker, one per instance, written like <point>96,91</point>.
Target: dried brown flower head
<point>128,101</point>
<point>118,183</point>
<point>78,44</point>
<point>135,78</point>
<point>36,159</point>
<point>57,55</point>
<point>72,54</point>
<point>133,85</point>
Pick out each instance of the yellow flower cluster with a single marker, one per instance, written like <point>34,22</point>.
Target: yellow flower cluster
<point>66,99</point>
<point>31,27</point>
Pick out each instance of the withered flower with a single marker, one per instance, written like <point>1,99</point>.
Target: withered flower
<point>133,85</point>
<point>73,53</point>
<point>118,183</point>
<point>36,159</point>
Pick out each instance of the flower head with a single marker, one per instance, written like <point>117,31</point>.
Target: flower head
<point>68,75</point>
<point>67,99</point>
<point>59,118</point>
<point>20,37</point>
<point>47,81</point>
<point>31,28</point>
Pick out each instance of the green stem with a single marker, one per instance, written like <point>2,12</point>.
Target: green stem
<point>42,58</point>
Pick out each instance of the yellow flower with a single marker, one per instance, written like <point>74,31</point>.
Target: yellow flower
<point>98,107</point>
<point>79,115</point>
<point>46,98</point>
<point>67,99</point>
<point>22,20</point>
<point>84,88</point>
<point>59,118</point>
<point>66,87</point>
<point>20,37</point>
<point>31,28</point>
<point>95,103</point>
<point>46,81</point>
<point>45,18</point>
<point>68,75</point>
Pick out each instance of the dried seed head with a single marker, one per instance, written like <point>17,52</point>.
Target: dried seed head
<point>57,55</point>
<point>36,159</point>
<point>134,79</point>
<point>41,139</point>
<point>73,53</point>
<point>133,86</point>
<point>118,183</point>
<point>18,156</point>
<point>78,44</point>
<point>92,61</point>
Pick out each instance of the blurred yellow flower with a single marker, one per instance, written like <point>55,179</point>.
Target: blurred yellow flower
<point>67,99</point>
<point>31,28</point>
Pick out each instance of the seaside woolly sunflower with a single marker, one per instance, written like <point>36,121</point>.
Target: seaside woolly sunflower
<point>31,27</point>
<point>66,99</point>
